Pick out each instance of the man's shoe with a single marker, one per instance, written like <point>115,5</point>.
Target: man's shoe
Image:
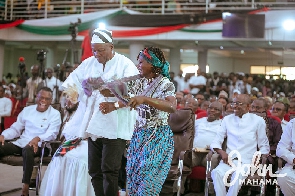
<point>32,183</point>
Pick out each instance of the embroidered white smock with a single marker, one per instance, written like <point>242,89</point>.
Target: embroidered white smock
<point>205,132</point>
<point>32,123</point>
<point>117,124</point>
<point>244,134</point>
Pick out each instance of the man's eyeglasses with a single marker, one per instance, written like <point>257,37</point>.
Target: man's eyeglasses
<point>213,108</point>
<point>277,109</point>
<point>233,104</point>
<point>255,107</point>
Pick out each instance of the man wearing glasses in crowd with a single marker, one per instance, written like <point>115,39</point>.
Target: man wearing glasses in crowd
<point>279,109</point>
<point>245,132</point>
<point>200,98</point>
<point>273,131</point>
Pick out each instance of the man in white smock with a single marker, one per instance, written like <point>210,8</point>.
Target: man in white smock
<point>107,132</point>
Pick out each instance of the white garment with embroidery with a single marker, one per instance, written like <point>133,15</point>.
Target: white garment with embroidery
<point>67,175</point>
<point>117,124</point>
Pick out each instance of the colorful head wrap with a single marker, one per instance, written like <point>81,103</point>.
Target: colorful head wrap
<point>151,58</point>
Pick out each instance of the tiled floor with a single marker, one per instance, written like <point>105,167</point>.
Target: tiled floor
<point>10,181</point>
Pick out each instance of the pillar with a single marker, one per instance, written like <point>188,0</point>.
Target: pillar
<point>202,59</point>
<point>175,60</point>
<point>50,57</point>
<point>2,43</point>
<point>134,49</point>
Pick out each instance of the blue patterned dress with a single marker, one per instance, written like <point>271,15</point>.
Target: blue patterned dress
<point>151,148</point>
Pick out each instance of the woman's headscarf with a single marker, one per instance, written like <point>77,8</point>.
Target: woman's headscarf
<point>151,58</point>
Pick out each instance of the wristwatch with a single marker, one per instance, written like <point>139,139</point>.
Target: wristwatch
<point>116,104</point>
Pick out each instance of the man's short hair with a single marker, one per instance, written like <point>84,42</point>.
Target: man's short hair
<point>286,106</point>
<point>45,88</point>
<point>265,103</point>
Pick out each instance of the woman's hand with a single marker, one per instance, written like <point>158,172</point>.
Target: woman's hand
<point>107,107</point>
<point>136,101</point>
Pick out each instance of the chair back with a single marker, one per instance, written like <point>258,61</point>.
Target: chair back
<point>182,124</point>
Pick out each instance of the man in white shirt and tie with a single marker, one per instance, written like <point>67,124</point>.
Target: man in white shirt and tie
<point>36,123</point>
<point>245,133</point>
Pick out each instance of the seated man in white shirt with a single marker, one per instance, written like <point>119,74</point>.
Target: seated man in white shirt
<point>36,123</point>
<point>245,133</point>
<point>205,131</point>
<point>286,150</point>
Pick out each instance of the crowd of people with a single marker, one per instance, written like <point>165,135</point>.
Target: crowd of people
<point>110,106</point>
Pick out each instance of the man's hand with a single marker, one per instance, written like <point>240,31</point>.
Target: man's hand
<point>106,93</point>
<point>34,143</point>
<point>2,140</point>
<point>223,154</point>
<point>107,107</point>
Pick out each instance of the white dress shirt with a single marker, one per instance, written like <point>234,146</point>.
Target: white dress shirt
<point>197,80</point>
<point>244,135</point>
<point>205,132</point>
<point>5,107</point>
<point>284,124</point>
<point>117,124</point>
<point>31,123</point>
<point>286,146</point>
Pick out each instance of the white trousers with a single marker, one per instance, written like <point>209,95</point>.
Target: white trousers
<point>287,183</point>
<point>217,175</point>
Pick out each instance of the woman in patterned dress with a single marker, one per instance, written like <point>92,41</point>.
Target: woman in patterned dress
<point>151,148</point>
